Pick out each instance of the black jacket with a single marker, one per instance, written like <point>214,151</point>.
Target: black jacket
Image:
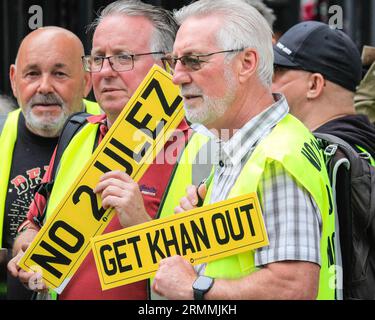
<point>356,130</point>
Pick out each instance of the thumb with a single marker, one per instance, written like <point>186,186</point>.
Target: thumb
<point>202,191</point>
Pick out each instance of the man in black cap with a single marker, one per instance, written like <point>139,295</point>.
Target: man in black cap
<point>318,69</point>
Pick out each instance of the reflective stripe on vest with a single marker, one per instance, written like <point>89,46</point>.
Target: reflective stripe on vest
<point>291,144</point>
<point>8,140</point>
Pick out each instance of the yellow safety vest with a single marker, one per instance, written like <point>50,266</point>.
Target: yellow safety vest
<point>291,144</point>
<point>183,176</point>
<point>8,140</point>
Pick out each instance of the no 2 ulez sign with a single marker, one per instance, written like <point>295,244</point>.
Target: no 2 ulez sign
<point>134,140</point>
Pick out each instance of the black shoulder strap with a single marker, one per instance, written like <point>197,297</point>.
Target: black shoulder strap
<point>72,126</point>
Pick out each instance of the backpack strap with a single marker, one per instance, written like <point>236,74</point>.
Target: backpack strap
<point>72,126</point>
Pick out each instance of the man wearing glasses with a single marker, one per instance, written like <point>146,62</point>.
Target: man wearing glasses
<point>223,61</point>
<point>129,38</point>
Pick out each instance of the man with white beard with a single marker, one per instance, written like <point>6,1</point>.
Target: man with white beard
<point>49,83</point>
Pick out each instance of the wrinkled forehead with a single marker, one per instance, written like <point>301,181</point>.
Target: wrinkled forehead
<point>131,33</point>
<point>50,47</point>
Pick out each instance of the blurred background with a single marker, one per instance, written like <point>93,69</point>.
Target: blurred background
<point>357,22</point>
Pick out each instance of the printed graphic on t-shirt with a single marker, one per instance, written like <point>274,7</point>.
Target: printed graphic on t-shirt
<point>22,188</point>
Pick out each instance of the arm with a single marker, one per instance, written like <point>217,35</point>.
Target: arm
<point>25,237</point>
<point>30,280</point>
<point>281,280</point>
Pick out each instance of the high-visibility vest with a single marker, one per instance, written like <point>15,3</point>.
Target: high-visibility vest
<point>8,140</point>
<point>291,144</point>
<point>191,169</point>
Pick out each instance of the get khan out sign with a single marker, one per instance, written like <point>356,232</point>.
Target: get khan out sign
<point>200,235</point>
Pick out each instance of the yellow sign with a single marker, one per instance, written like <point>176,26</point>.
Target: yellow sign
<point>200,235</point>
<point>134,140</point>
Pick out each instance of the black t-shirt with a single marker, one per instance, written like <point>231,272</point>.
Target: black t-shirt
<point>31,157</point>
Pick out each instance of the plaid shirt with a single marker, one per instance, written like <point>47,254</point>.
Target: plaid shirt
<point>292,218</point>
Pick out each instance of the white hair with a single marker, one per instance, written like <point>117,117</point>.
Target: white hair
<point>243,27</point>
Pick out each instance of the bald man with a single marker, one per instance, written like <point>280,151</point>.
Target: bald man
<point>49,83</point>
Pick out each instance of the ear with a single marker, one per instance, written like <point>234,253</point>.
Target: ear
<point>249,60</point>
<point>88,84</point>
<point>12,77</point>
<point>316,85</point>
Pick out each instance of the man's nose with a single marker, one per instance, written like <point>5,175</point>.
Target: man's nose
<point>45,85</point>
<point>181,75</point>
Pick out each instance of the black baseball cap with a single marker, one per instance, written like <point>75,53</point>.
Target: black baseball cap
<point>316,47</point>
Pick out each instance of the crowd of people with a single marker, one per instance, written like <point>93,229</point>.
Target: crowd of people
<point>256,99</point>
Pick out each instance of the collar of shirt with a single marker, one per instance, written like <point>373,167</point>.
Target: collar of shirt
<point>245,139</point>
<point>102,121</point>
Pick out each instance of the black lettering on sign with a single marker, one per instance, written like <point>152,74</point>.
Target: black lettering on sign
<point>220,217</point>
<point>168,109</point>
<point>186,243</point>
<point>143,125</point>
<point>96,211</point>
<point>112,261</point>
<point>132,120</point>
<point>170,242</point>
<point>80,239</point>
<point>154,247</point>
<point>240,234</point>
<point>134,241</point>
<point>114,155</point>
<point>312,155</point>
<point>58,257</point>
<point>247,208</point>
<point>112,265</point>
<point>101,167</point>
<point>200,234</point>
<point>121,256</point>
<point>136,156</point>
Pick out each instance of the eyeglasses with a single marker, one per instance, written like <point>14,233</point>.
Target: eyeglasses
<point>118,62</point>
<point>192,61</point>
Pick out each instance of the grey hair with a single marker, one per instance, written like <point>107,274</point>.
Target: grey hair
<point>163,21</point>
<point>243,27</point>
<point>265,11</point>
